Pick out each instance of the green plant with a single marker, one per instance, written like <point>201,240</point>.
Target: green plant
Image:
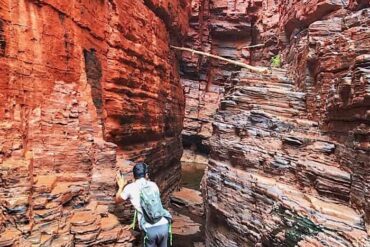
<point>276,61</point>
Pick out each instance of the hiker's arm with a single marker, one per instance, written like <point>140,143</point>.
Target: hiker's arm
<point>121,184</point>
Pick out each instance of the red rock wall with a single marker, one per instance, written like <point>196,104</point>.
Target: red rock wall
<point>231,29</point>
<point>81,82</point>
<point>289,158</point>
<point>333,56</point>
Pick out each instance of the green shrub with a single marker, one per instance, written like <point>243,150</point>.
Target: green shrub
<point>276,61</point>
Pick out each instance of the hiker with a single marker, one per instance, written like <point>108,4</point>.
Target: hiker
<point>144,195</point>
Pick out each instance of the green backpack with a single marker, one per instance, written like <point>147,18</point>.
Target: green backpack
<point>152,208</point>
<point>151,205</point>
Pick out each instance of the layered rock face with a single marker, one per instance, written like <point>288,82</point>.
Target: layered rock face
<point>274,178</point>
<point>239,30</point>
<point>332,67</point>
<point>83,83</point>
<point>289,162</point>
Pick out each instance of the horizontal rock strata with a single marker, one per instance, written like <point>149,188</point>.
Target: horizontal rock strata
<point>242,31</point>
<point>274,178</point>
<point>79,81</point>
<point>289,151</point>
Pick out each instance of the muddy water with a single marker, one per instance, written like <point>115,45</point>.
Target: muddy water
<point>192,174</point>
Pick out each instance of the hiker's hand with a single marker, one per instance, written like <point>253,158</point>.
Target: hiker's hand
<point>127,227</point>
<point>120,181</point>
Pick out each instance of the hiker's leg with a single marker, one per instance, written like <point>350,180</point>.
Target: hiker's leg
<point>157,236</point>
<point>149,239</point>
<point>162,235</point>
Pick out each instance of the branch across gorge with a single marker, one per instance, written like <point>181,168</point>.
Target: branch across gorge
<point>261,70</point>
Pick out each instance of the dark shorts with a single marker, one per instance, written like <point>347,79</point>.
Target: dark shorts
<point>156,236</point>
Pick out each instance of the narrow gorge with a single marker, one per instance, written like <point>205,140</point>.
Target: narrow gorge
<point>89,87</point>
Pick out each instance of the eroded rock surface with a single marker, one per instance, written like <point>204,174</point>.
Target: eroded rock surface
<point>79,81</point>
<point>274,178</point>
<point>289,158</point>
<point>217,28</point>
<point>188,199</point>
<point>241,30</point>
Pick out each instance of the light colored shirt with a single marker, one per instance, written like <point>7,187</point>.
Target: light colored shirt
<point>132,192</point>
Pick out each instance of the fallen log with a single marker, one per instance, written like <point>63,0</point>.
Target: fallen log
<point>262,70</point>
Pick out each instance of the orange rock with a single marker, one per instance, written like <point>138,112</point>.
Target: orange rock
<point>109,222</point>
<point>9,237</point>
<point>45,183</point>
<point>183,225</point>
<point>80,80</point>
<point>83,218</point>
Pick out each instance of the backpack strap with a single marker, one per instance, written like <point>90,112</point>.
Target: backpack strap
<point>170,232</point>
<point>145,239</point>
<point>134,220</point>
